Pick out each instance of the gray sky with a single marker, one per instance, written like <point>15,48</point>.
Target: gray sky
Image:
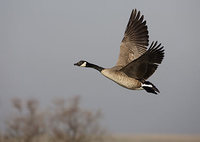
<point>40,40</point>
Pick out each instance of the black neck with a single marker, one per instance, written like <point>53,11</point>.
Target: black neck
<point>94,67</point>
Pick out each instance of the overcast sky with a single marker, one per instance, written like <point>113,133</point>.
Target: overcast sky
<point>40,41</point>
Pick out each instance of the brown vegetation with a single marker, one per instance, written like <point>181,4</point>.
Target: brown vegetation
<point>66,121</point>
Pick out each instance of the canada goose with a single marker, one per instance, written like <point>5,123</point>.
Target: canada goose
<point>135,63</point>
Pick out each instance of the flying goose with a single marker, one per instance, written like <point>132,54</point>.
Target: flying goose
<point>135,63</point>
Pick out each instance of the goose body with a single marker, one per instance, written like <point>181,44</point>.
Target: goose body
<point>122,79</point>
<point>135,63</point>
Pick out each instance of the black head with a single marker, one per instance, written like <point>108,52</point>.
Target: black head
<point>81,63</point>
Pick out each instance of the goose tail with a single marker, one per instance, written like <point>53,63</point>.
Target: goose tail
<point>150,88</point>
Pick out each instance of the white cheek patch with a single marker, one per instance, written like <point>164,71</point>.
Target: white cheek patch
<point>84,64</point>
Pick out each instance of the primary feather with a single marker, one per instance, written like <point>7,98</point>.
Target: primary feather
<point>135,41</point>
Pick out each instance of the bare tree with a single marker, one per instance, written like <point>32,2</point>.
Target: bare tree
<point>71,123</point>
<point>27,123</point>
<point>67,122</point>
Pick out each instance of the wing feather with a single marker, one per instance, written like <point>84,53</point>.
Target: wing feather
<point>135,41</point>
<point>144,66</point>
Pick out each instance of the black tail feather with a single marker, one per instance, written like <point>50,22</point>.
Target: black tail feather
<point>150,88</point>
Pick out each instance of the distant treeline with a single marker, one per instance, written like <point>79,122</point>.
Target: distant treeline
<point>64,121</point>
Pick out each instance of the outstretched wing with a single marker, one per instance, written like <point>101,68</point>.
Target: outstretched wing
<point>143,67</point>
<point>135,40</point>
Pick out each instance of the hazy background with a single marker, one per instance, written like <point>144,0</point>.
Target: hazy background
<point>40,40</point>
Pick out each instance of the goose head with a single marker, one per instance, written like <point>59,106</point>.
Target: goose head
<point>81,63</point>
